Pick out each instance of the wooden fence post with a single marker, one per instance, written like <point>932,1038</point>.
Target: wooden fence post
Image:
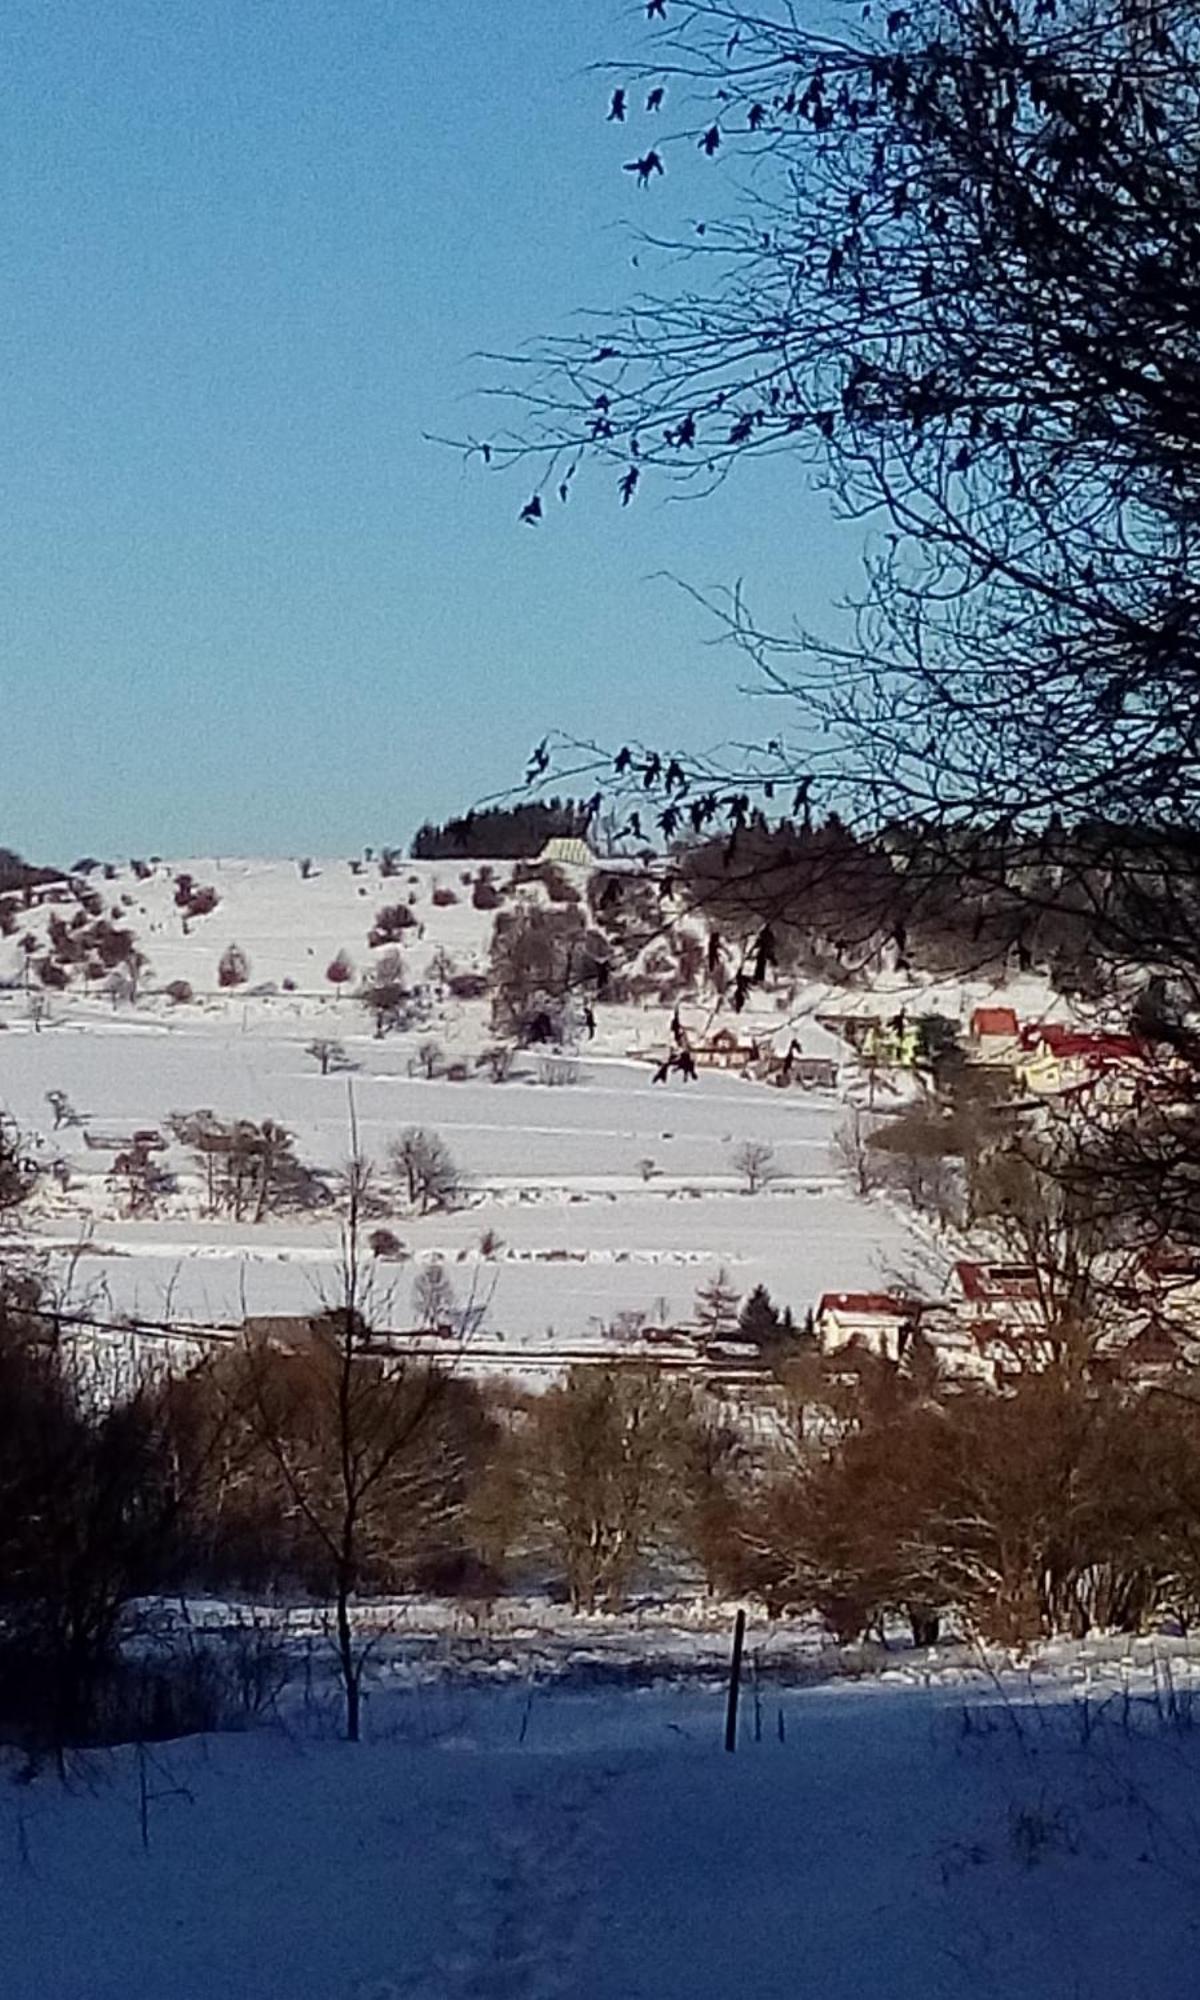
<point>735,1675</point>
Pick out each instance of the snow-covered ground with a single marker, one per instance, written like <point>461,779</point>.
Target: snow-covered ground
<point>609,1195</point>
<point>964,1842</point>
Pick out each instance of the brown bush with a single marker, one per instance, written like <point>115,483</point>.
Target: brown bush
<point>390,924</point>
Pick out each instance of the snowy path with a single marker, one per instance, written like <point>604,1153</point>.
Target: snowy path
<point>616,1854</point>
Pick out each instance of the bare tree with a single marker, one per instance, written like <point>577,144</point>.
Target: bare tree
<point>365,1448</point>
<point>498,1059</point>
<point>328,1055</point>
<point>140,1179</point>
<point>599,1474</point>
<point>914,286</point>
<point>250,1170</point>
<point>434,1300</point>
<point>429,1059</point>
<point>424,1163</point>
<point>851,1149</point>
<point>755,1161</point>
<point>385,994</point>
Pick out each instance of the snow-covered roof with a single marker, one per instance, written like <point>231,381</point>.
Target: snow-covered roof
<point>569,851</point>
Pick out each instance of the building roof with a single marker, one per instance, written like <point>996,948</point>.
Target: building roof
<point>864,1305</point>
<point>994,1021</point>
<point>1063,1041</point>
<point>984,1283</point>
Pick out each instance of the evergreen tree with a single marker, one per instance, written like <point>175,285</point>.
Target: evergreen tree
<point>758,1320</point>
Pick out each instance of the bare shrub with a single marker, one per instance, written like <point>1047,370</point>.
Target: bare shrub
<point>497,1059</point>
<point>755,1161</point>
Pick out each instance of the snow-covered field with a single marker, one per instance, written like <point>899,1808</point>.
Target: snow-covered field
<point>954,1840</point>
<point>609,1195</point>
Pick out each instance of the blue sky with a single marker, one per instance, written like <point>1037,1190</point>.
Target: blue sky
<point>247,253</point>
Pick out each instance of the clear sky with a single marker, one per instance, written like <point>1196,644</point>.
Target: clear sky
<point>248,249</point>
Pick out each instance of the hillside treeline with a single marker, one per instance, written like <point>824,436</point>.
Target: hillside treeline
<point>501,833</point>
<point>1072,902</point>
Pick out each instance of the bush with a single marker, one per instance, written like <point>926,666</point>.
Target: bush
<point>485,896</point>
<point>385,1243</point>
<point>390,924</point>
<point>233,967</point>
<point>467,986</point>
<point>193,898</point>
<point>179,993</point>
<point>442,899</point>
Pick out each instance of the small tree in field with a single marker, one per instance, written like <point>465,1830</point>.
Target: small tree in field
<point>755,1161</point>
<point>233,968</point>
<point>64,1112</point>
<point>385,994</point>
<point>328,1055</point>
<point>434,1303</point>
<point>425,1165</point>
<point>139,1179</point>
<point>717,1304</point>
<point>851,1150</point>
<point>497,1059</point>
<point>429,1059</point>
<point>339,971</point>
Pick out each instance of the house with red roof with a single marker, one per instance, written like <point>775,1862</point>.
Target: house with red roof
<point>1002,1295</point>
<point>880,1322</point>
<point>1057,1057</point>
<point>995,1035</point>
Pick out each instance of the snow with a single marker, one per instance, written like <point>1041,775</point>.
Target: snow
<point>611,1196</point>
<point>520,1844</point>
<point>556,1172</point>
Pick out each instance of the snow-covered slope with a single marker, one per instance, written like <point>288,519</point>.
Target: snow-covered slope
<point>610,1197</point>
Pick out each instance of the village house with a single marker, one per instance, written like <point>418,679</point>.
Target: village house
<point>724,1050</point>
<point>1055,1058</point>
<point>1005,1295</point>
<point>893,1043</point>
<point>995,1036</point>
<point>877,1321</point>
